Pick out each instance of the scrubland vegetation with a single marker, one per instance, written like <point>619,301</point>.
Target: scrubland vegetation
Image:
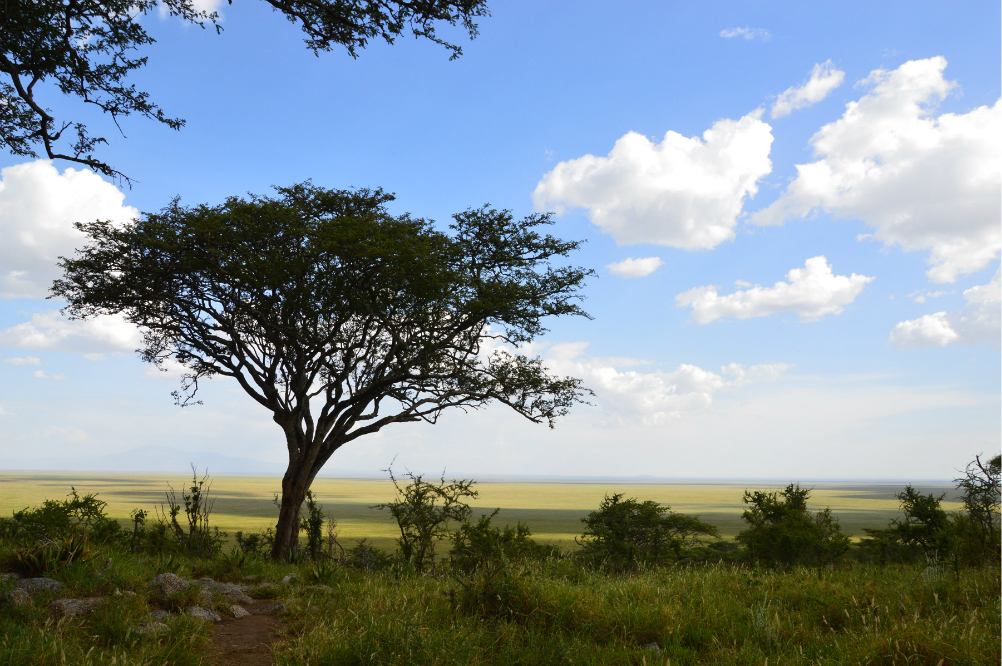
<point>646,585</point>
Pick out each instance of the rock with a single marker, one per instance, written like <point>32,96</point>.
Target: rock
<point>653,647</point>
<point>205,596</point>
<point>270,609</point>
<point>4,577</point>
<point>70,607</point>
<point>152,628</point>
<point>18,597</point>
<point>239,611</point>
<point>34,586</point>
<point>290,579</point>
<point>203,614</point>
<point>159,615</point>
<point>167,585</point>
<point>234,594</point>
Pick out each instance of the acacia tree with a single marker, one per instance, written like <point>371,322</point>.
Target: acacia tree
<point>333,314</point>
<point>87,48</point>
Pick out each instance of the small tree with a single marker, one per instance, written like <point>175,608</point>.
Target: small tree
<point>781,531</point>
<point>421,519</point>
<point>980,491</point>
<point>624,534</point>
<point>925,523</point>
<point>335,316</point>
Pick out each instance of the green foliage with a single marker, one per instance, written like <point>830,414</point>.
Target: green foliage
<point>422,511</point>
<point>313,524</point>
<point>73,517</point>
<point>366,557</point>
<point>623,535</point>
<point>256,543</point>
<point>51,556</point>
<point>474,545</point>
<point>782,532</point>
<point>925,524</point>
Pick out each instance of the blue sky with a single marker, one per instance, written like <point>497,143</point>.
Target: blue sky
<point>879,361</point>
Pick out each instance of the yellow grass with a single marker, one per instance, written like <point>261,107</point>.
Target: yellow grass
<point>552,509</point>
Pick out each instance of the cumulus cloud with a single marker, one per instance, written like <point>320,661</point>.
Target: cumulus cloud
<point>40,374</point>
<point>923,182</point>
<point>653,396</point>
<point>978,321</point>
<point>824,79</point>
<point>634,268</point>
<point>746,33</point>
<point>25,360</point>
<point>811,292</point>
<point>38,207</point>
<point>683,192</point>
<point>51,331</point>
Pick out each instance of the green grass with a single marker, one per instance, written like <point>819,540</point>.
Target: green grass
<point>552,510</point>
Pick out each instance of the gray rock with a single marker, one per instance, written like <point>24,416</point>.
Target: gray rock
<point>235,594</point>
<point>239,611</point>
<point>70,607</point>
<point>270,609</point>
<point>652,647</point>
<point>34,586</point>
<point>18,597</point>
<point>203,614</point>
<point>159,615</point>
<point>205,596</point>
<point>4,577</point>
<point>290,579</point>
<point>167,585</point>
<point>152,628</point>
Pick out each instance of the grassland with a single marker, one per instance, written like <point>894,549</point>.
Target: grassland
<point>553,510</point>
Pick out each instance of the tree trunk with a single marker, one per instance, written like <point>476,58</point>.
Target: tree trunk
<point>295,483</point>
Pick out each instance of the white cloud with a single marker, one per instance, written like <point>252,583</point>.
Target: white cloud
<point>40,374</point>
<point>978,321</point>
<point>812,292</point>
<point>93,337</point>
<point>923,182</point>
<point>634,268</point>
<point>824,79</point>
<point>38,207</point>
<point>682,192</point>
<point>652,396</point>
<point>26,360</point>
<point>747,33</point>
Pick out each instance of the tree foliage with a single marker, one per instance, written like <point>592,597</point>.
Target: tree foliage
<point>623,534</point>
<point>87,48</point>
<point>924,524</point>
<point>782,531</point>
<point>980,493</point>
<point>333,314</point>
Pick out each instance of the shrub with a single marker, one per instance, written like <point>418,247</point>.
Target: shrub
<point>781,531</point>
<point>55,520</point>
<point>925,524</point>
<point>421,519</point>
<point>978,529</point>
<point>366,557</point>
<point>476,544</point>
<point>51,556</point>
<point>625,534</point>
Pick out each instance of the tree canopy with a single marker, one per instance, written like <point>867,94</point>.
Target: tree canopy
<point>87,48</point>
<point>335,315</point>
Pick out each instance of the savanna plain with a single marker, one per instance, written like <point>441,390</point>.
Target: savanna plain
<point>530,595</point>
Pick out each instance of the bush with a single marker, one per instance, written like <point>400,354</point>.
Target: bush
<point>421,519</point>
<point>625,534</point>
<point>978,528</point>
<point>783,532</point>
<point>474,545</point>
<point>925,524</point>
<point>77,516</point>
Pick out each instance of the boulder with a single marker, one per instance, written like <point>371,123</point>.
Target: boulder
<point>18,597</point>
<point>152,628</point>
<point>166,585</point>
<point>239,611</point>
<point>203,614</point>
<point>4,577</point>
<point>159,615</point>
<point>270,609</point>
<point>70,607</point>
<point>235,594</point>
<point>35,586</point>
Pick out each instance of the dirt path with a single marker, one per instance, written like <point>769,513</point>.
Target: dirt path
<point>245,642</point>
